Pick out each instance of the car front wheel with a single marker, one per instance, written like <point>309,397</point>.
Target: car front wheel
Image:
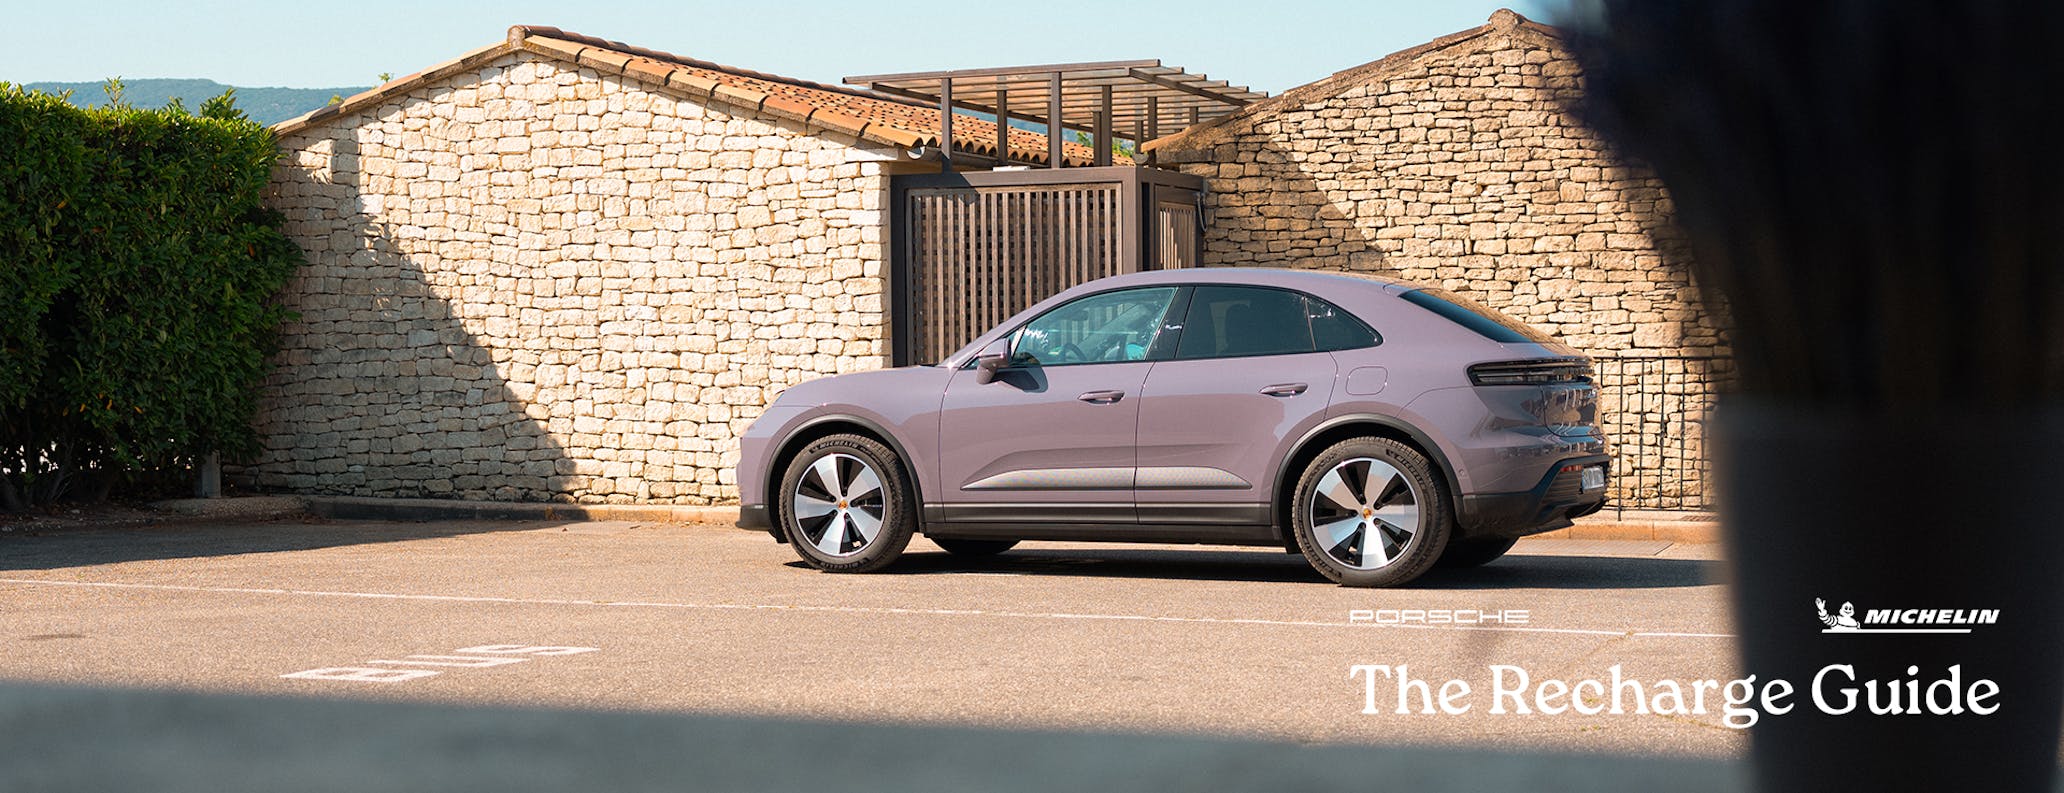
<point>1371,512</point>
<point>845,504</point>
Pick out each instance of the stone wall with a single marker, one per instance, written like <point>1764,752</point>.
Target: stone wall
<point>536,282</point>
<point>1458,163</point>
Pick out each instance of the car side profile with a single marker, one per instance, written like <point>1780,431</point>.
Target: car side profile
<point>1376,427</point>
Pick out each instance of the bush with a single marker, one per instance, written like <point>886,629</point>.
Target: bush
<point>137,267</point>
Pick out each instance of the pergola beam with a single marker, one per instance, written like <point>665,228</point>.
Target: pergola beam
<point>1062,68</point>
<point>1102,138</point>
<point>1139,98</point>
<point>1190,88</point>
<point>1003,119</point>
<point>1128,99</point>
<point>1056,128</point>
<point>946,125</point>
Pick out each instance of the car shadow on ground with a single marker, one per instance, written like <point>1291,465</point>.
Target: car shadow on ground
<point>60,548</point>
<point>1533,571</point>
<point>1527,571</point>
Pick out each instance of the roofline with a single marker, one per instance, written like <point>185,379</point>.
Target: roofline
<point>399,85</point>
<point>602,43</point>
<point>664,70</point>
<point>1502,20</point>
<point>648,66</point>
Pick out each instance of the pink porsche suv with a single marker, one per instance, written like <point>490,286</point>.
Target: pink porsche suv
<point>1379,428</point>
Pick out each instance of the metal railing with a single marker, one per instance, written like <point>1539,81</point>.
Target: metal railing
<point>1654,409</point>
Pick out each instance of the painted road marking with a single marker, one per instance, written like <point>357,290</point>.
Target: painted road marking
<point>467,661</point>
<point>1636,634</point>
<point>545,650</point>
<point>360,674</point>
<point>489,655</point>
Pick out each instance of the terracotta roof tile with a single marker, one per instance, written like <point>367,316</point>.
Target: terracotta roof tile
<point>691,81</point>
<point>865,114</point>
<point>603,60</point>
<point>649,69</point>
<point>851,125</point>
<point>788,107</point>
<point>550,46</point>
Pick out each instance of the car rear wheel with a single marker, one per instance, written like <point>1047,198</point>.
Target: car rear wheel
<point>973,548</point>
<point>1371,512</point>
<point>1474,553</point>
<point>845,504</point>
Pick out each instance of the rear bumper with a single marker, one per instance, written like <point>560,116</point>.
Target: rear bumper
<point>754,516</point>
<point>1552,504</point>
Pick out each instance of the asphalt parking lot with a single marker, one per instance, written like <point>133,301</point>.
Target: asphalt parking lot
<point>714,620</point>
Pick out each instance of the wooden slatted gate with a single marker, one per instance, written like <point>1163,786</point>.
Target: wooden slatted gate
<point>971,249</point>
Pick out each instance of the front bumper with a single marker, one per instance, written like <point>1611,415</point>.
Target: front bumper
<point>754,516</point>
<point>1552,504</point>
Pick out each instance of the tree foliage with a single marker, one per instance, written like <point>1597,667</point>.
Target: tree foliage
<point>137,267</point>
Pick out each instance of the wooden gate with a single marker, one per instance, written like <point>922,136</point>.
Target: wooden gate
<point>971,249</point>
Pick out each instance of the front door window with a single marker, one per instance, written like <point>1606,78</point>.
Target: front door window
<point>1112,327</point>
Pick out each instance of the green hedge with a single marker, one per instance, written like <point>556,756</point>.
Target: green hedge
<point>137,269</point>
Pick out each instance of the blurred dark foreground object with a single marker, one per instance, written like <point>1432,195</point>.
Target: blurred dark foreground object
<point>1887,515</point>
<point>59,739</point>
<point>1872,193</point>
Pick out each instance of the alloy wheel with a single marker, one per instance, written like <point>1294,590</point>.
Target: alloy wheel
<point>1364,513</point>
<point>839,505</point>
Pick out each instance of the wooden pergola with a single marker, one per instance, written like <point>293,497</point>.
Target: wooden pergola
<point>1141,96</point>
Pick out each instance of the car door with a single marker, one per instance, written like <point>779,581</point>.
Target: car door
<point>1245,375</point>
<point>1050,439</point>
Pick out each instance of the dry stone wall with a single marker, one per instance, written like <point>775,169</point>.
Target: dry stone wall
<point>1460,164</point>
<point>536,282</point>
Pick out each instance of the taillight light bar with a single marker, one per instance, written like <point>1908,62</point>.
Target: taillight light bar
<point>1541,372</point>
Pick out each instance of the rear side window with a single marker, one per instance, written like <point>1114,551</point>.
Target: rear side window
<point>1332,328</point>
<point>1234,321</point>
<point>1484,320</point>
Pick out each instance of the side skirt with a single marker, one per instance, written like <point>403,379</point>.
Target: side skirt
<point>1203,524</point>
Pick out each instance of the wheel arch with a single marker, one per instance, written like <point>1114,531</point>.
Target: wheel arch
<point>1340,428</point>
<point>825,426</point>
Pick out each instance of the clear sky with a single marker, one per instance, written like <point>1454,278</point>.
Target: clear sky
<point>1266,44</point>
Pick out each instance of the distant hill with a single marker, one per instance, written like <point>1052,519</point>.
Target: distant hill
<point>264,105</point>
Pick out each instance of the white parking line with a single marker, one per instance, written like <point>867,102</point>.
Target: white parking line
<point>870,610</point>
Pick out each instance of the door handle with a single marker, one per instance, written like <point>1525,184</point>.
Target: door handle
<point>1284,389</point>
<point>1102,397</point>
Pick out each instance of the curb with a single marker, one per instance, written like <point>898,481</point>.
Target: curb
<point>420,509</point>
<point>1685,527</point>
<point>240,507</point>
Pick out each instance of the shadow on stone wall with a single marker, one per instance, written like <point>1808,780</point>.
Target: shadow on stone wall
<point>1282,218</point>
<point>380,389</point>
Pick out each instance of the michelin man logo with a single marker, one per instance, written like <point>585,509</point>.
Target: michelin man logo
<point>1843,622</point>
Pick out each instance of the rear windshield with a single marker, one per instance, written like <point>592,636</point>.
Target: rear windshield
<point>1486,321</point>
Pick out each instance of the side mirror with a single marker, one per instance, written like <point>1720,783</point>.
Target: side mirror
<point>988,365</point>
<point>992,359</point>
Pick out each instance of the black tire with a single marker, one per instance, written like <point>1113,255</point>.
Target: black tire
<point>1398,562</point>
<point>973,549</point>
<point>888,503</point>
<point>1474,553</point>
